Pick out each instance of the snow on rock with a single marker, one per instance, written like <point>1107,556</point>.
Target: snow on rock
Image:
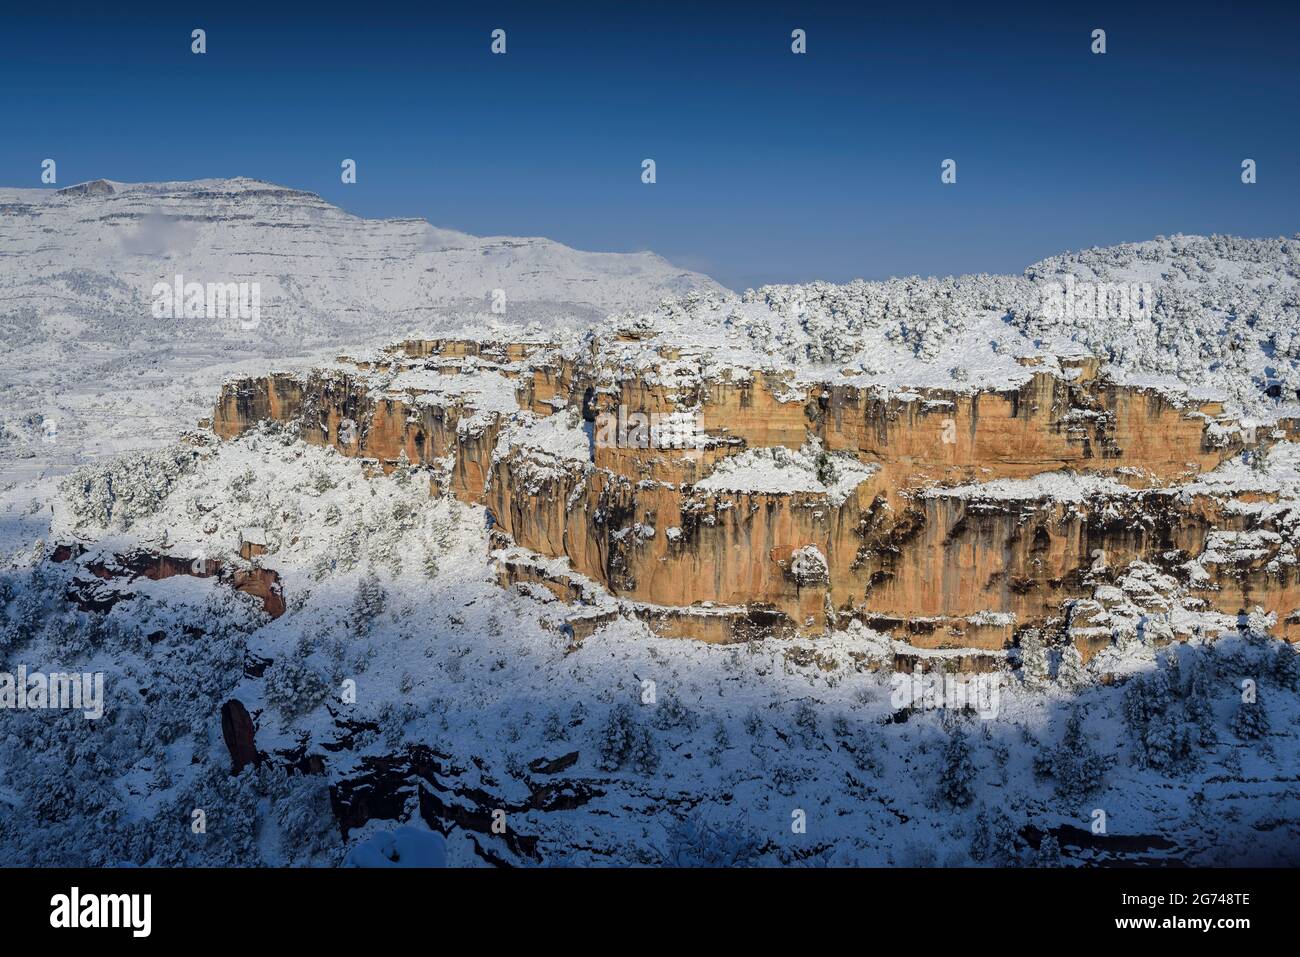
<point>543,448</point>
<point>560,435</point>
<point>400,847</point>
<point>1057,486</point>
<point>781,471</point>
<point>808,565</point>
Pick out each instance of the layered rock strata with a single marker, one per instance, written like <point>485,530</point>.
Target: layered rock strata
<point>719,502</point>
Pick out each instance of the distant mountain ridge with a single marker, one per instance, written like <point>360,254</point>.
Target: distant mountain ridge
<point>88,366</point>
<point>96,249</point>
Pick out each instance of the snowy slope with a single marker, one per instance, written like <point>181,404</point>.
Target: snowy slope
<point>95,251</point>
<point>83,356</point>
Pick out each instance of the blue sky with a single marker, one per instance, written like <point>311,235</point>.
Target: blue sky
<point>771,166</point>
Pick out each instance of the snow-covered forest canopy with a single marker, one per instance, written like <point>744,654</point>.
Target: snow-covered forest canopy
<point>1223,320</point>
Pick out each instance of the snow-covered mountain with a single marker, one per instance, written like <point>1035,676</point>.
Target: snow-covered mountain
<point>89,365</point>
<point>95,251</point>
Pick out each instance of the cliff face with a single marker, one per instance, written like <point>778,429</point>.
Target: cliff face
<point>717,501</point>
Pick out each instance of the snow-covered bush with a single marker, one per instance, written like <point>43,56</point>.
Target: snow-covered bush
<point>295,684</point>
<point>622,742</point>
<point>805,725</point>
<point>116,494</point>
<point>696,842</point>
<point>671,715</point>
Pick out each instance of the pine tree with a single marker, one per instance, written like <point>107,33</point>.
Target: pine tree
<point>1251,720</point>
<point>553,728</point>
<point>1200,711</point>
<point>1158,720</point>
<point>1049,852</point>
<point>402,470</point>
<point>1072,675</point>
<point>368,604</point>
<point>993,842</point>
<point>1286,667</point>
<point>622,742</point>
<point>957,772</point>
<point>1075,765</point>
<point>644,756</point>
<point>1033,660</point>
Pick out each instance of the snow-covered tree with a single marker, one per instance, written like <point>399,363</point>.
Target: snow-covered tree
<point>1049,852</point>
<point>1071,674</point>
<point>1250,721</point>
<point>994,838</point>
<point>368,603</point>
<point>623,742</point>
<point>1076,767</point>
<point>1286,667</point>
<point>1166,737</point>
<point>957,770</point>
<point>1033,659</point>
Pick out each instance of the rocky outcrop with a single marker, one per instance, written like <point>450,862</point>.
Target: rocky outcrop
<point>99,583</point>
<point>717,502</point>
<point>238,731</point>
<point>383,788</point>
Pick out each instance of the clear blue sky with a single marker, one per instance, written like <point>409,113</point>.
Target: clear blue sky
<point>771,166</point>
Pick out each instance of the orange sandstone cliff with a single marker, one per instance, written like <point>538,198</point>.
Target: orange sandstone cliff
<point>719,502</point>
